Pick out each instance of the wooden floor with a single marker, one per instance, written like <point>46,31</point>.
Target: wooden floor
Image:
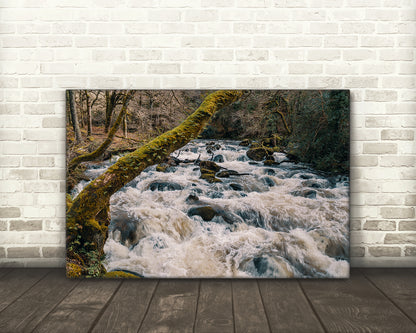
<point>43,300</point>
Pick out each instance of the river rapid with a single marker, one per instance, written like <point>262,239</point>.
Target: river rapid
<point>279,221</point>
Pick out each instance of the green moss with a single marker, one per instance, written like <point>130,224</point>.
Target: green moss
<point>120,275</point>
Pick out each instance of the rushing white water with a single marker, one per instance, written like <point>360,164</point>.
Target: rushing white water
<point>281,221</point>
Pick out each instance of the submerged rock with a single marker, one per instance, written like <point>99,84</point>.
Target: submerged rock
<point>242,158</point>
<point>165,186</point>
<point>218,159</point>
<point>123,228</point>
<point>310,194</point>
<point>206,212</point>
<point>192,198</point>
<point>227,173</point>
<point>268,181</point>
<point>164,167</point>
<point>270,172</point>
<point>236,187</point>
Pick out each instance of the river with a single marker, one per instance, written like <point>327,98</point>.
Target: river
<point>282,221</point>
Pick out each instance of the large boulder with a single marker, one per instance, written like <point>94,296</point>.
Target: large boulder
<point>206,212</point>
<point>165,186</point>
<point>259,154</point>
<point>209,165</point>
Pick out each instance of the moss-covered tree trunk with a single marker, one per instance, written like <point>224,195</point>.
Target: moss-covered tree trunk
<point>83,226</point>
<point>101,149</point>
<point>89,117</point>
<point>74,116</point>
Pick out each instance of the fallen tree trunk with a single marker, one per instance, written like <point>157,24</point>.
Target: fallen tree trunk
<point>83,224</point>
<point>101,149</point>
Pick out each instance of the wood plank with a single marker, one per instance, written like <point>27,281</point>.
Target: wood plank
<point>287,308</point>
<point>173,307</point>
<point>29,310</point>
<point>4,271</point>
<point>17,282</point>
<point>398,284</point>
<point>126,310</point>
<point>77,312</point>
<point>215,308</point>
<point>354,305</point>
<point>249,315</point>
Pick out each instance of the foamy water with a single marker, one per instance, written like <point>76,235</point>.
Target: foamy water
<point>282,221</point>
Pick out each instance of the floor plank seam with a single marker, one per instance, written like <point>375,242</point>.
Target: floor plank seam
<point>312,307</point>
<point>197,304</point>
<point>264,308</point>
<point>104,308</point>
<point>386,296</point>
<point>148,306</point>
<point>27,290</point>
<point>56,305</point>
<point>232,305</point>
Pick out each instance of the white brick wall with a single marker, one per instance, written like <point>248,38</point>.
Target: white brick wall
<point>51,45</point>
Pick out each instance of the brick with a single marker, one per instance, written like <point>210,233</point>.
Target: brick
<point>410,200</point>
<point>236,42</point>
<point>361,82</point>
<point>39,109</point>
<point>252,55</point>
<point>200,41</point>
<point>145,55</point>
<point>397,212</point>
<point>400,238</point>
<point>52,174</point>
<point>384,251</point>
<point>359,54</point>
<point>249,28</point>
<point>410,251</point>
<point>3,225</point>
<point>380,148</point>
<point>53,252</point>
<point>10,135</point>
<point>29,225</point>
<point>197,68</point>
<point>53,122</point>
<point>324,54</point>
<point>55,225</point>
<point>23,252</point>
<point>287,55</point>
<point>109,55</point>
<point>217,28</point>
<point>407,225</point>
<point>305,68</point>
<point>396,55</point>
<point>379,225</point>
<point>305,41</point>
<point>397,161</point>
<point>395,134</point>
<point>90,41</point>
<point>324,82</point>
<point>9,212</point>
<point>195,15</point>
<point>355,225</point>
<point>163,68</point>
<point>177,28</point>
<point>9,161</point>
<point>382,121</point>
<point>164,15</point>
<point>357,28</point>
<point>364,160</point>
<point>218,55</point>
<point>22,174</point>
<point>381,95</point>
<point>341,41</point>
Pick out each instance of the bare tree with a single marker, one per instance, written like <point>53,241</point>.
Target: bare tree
<point>74,116</point>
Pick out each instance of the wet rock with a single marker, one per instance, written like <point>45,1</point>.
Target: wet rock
<point>245,143</point>
<point>212,146</point>
<point>242,158</point>
<point>209,165</point>
<point>270,172</point>
<point>210,177</point>
<point>269,266</point>
<point>259,154</point>
<point>310,194</point>
<point>218,159</point>
<point>242,194</point>
<point>252,217</point>
<point>236,187</point>
<point>206,212</point>
<point>165,186</point>
<point>270,142</point>
<point>123,228</point>
<point>268,181</point>
<point>227,173</point>
<point>192,198</point>
<point>253,163</point>
<point>215,195</point>
<point>315,184</point>
<point>270,161</point>
<point>164,167</point>
<point>305,176</point>
<point>330,247</point>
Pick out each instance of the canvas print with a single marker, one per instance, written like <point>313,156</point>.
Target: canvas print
<point>197,183</point>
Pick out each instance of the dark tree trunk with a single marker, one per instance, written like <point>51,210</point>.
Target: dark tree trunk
<point>75,124</point>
